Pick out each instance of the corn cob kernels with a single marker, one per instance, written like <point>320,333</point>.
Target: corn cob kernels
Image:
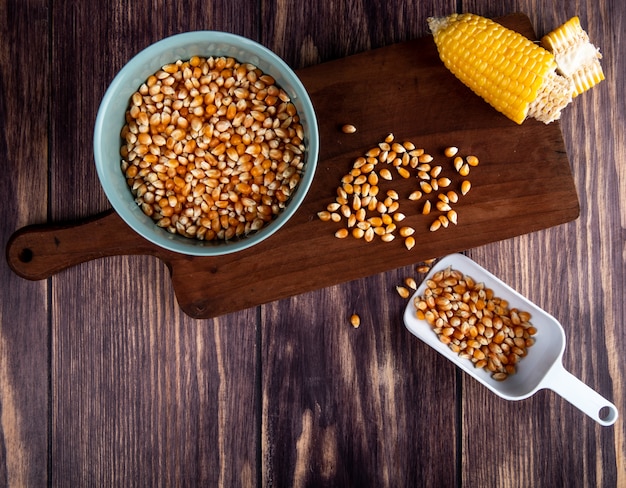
<point>511,73</point>
<point>575,56</point>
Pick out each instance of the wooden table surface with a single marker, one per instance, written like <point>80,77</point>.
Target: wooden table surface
<point>104,381</point>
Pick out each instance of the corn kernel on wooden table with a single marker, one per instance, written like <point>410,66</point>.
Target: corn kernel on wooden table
<point>105,381</point>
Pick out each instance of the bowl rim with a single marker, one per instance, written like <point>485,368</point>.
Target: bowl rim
<point>127,209</point>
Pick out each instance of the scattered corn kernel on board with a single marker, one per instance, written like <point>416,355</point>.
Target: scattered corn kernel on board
<point>522,184</point>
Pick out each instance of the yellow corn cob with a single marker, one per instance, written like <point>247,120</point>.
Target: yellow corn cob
<point>511,73</point>
<point>575,56</point>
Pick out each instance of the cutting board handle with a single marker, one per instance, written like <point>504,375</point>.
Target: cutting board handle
<point>37,252</point>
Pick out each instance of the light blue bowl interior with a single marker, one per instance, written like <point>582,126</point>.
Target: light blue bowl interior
<point>110,120</point>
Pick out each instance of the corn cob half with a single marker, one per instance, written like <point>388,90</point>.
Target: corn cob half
<point>514,75</point>
<point>575,56</point>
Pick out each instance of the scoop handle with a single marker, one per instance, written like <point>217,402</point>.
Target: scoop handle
<point>581,395</point>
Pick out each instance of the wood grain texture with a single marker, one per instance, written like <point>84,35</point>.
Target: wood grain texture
<point>353,407</point>
<point>149,396</point>
<point>104,381</point>
<point>296,32</point>
<point>142,394</point>
<point>24,306</point>
<point>576,272</point>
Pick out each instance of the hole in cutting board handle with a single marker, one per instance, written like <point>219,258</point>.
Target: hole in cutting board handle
<point>25,255</point>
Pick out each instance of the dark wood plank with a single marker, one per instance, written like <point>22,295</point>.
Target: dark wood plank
<point>142,394</point>
<point>145,395</point>
<point>306,34</point>
<point>345,406</point>
<point>24,326</point>
<point>354,407</point>
<point>576,272</point>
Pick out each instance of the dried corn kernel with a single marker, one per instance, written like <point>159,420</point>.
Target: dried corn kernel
<point>355,321</point>
<point>402,291</point>
<point>451,151</point>
<point>435,225</point>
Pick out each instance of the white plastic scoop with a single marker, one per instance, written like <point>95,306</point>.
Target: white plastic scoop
<point>541,368</point>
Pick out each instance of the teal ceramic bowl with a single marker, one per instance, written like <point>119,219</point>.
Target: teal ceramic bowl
<point>111,119</point>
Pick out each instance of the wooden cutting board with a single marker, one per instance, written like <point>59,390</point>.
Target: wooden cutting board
<point>522,184</point>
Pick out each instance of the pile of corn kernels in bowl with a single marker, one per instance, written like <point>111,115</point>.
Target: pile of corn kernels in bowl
<point>212,148</point>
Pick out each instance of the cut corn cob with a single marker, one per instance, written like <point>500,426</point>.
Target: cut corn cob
<point>511,73</point>
<point>575,56</point>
